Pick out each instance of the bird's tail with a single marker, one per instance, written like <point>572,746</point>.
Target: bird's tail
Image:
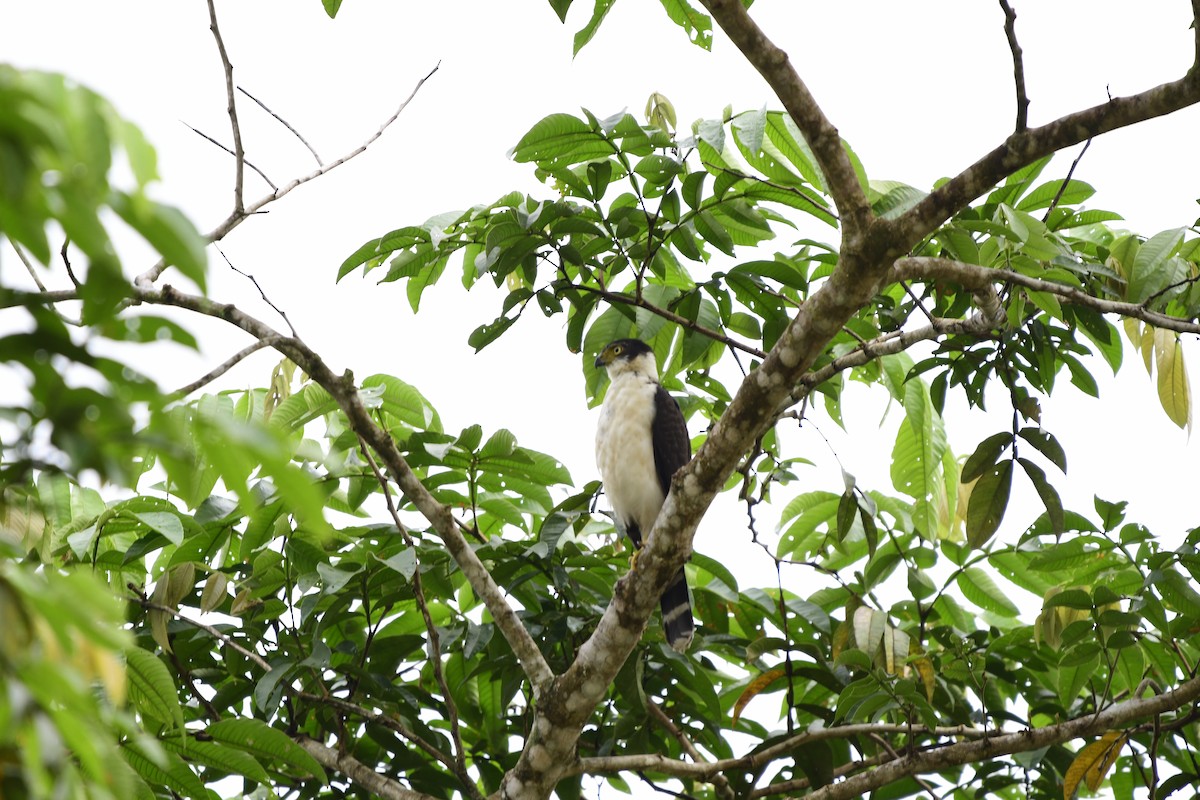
<point>678,624</point>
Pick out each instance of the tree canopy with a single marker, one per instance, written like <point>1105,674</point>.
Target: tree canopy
<point>317,587</point>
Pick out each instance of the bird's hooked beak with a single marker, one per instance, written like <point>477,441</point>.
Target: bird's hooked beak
<point>605,358</point>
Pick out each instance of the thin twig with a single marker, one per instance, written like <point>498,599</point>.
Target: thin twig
<point>67,263</point>
<point>239,153</point>
<point>28,265</point>
<point>285,124</point>
<point>263,294</point>
<point>1067,180</point>
<point>224,367</point>
<point>671,316</point>
<point>435,647</point>
<point>719,781</point>
<point>147,278</point>
<point>1010,31</point>
<point>246,161</point>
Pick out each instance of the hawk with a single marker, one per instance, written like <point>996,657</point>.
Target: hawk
<point>640,443</point>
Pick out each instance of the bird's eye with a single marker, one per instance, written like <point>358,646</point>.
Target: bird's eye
<point>617,350</point>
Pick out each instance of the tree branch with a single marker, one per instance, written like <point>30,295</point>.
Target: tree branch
<point>671,316</point>
<point>239,154</point>
<point>285,124</point>
<point>822,137</point>
<point>358,772</point>
<point>343,391</point>
<point>435,647</point>
<point>1010,32</point>
<point>1025,147</point>
<point>147,278</point>
<point>1115,717</point>
<point>221,369</point>
<point>923,267</point>
<point>245,161</point>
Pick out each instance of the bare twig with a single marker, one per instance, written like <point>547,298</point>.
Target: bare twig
<point>66,259</point>
<point>245,161</point>
<point>224,367</point>
<point>1070,173</point>
<point>261,293</point>
<point>147,278</point>
<point>239,153</point>
<point>285,124</point>
<point>28,265</point>
<point>719,781</point>
<point>1010,31</point>
<point>435,647</point>
<point>671,316</point>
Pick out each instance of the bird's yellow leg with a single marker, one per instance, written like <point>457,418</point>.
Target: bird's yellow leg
<point>633,559</point>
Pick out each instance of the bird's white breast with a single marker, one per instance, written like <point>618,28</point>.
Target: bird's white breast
<point>625,451</point>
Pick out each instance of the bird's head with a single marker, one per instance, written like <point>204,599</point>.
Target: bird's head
<point>628,355</point>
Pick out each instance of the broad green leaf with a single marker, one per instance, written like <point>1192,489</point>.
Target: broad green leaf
<point>264,742</point>
<point>988,502</point>
<point>151,688</point>
<point>1151,270</point>
<point>599,12</point>
<point>174,775</point>
<point>697,24</point>
<point>985,456</point>
<point>1046,444</point>
<point>978,587</point>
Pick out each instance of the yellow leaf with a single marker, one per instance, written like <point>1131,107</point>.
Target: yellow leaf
<point>924,668</point>
<point>1092,763</point>
<point>1173,390</point>
<point>1133,330</point>
<point>841,639</point>
<point>1148,337</point>
<point>755,688</point>
<point>214,591</point>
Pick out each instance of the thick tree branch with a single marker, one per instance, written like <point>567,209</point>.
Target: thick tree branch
<point>822,137</point>
<point>968,275</point>
<point>1010,32</point>
<point>359,772</point>
<point>344,392</point>
<point>1025,147</point>
<point>1115,717</point>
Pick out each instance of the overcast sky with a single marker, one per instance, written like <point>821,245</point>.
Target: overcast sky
<point>920,89</point>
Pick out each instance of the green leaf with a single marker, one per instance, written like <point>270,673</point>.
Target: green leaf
<point>985,455</point>
<point>331,7</point>
<point>218,757</point>
<point>989,499</point>
<point>264,742</point>
<point>1046,444</point>
<point>978,587</point>
<point>168,231</point>
<point>484,335</point>
<point>151,688</point>
<point>174,774</point>
<point>599,12</point>
<point>697,24</point>
<point>165,523</point>
<point>1151,271</point>
<point>1048,494</point>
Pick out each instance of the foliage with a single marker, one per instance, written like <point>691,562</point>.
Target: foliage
<point>281,596</point>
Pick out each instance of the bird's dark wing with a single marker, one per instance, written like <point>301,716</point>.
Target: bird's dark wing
<point>672,446</point>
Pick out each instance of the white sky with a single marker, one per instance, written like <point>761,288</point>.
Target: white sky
<point>920,90</point>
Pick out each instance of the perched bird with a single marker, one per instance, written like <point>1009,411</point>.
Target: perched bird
<point>640,443</point>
